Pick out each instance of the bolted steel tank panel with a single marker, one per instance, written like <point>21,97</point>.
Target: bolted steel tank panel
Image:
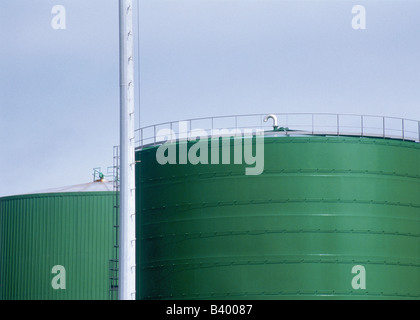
<point>329,217</point>
<point>56,246</point>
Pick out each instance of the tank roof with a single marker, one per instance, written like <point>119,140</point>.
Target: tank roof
<point>97,186</point>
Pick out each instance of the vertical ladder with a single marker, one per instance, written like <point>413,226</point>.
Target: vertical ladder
<point>114,263</point>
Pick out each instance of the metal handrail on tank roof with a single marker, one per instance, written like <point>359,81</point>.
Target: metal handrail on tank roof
<point>288,124</point>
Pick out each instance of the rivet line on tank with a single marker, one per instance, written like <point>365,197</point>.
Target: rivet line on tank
<point>291,171</point>
<point>286,293</point>
<point>258,232</point>
<point>284,261</point>
<point>303,200</point>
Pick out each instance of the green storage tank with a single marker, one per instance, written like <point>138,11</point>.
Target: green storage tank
<point>330,217</point>
<point>57,244</point>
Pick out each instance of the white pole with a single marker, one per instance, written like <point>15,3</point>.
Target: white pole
<point>127,253</point>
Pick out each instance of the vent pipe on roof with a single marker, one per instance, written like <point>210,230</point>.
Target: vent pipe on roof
<point>274,117</point>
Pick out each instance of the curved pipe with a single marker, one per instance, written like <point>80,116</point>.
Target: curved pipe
<point>274,117</point>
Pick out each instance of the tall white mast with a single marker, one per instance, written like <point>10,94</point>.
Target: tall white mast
<point>127,250</point>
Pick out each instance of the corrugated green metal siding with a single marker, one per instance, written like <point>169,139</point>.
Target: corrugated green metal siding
<point>322,206</point>
<point>40,231</point>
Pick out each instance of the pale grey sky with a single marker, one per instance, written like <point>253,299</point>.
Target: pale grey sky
<point>59,101</point>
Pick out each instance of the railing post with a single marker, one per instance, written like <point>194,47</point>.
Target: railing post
<point>141,137</point>
<point>418,128</point>
<point>402,128</point>
<point>361,125</point>
<point>154,134</point>
<point>338,124</point>
<point>312,123</point>
<point>383,126</point>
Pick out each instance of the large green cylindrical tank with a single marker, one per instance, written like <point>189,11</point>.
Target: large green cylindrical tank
<point>330,217</point>
<point>57,245</point>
